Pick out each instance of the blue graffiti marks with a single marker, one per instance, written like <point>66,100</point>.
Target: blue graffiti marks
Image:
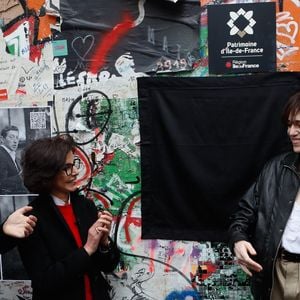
<point>183,295</point>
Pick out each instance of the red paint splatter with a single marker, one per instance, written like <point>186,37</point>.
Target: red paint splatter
<point>36,53</point>
<point>131,220</point>
<point>108,42</point>
<point>151,266</point>
<point>103,200</point>
<point>18,92</point>
<point>88,171</point>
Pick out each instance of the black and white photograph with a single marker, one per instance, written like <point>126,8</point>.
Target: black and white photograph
<point>19,127</point>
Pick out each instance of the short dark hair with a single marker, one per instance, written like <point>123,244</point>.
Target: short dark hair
<point>42,160</point>
<point>8,128</point>
<point>291,108</point>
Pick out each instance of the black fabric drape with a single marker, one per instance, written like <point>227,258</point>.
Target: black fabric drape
<point>203,142</point>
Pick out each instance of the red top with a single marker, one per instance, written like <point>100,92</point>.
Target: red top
<point>68,214</point>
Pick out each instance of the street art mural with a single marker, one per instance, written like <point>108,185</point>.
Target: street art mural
<point>139,37</point>
<point>82,60</point>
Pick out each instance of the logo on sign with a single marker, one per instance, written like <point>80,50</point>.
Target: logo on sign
<point>241,22</point>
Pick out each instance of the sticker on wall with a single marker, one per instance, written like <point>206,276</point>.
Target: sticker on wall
<point>3,94</point>
<point>60,48</point>
<point>242,38</point>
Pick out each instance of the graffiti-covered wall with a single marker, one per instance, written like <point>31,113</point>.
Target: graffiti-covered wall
<point>72,67</point>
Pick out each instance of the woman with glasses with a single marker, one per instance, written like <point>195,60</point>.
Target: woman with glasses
<point>70,246</point>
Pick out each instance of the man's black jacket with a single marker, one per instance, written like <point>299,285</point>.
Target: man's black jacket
<point>262,216</point>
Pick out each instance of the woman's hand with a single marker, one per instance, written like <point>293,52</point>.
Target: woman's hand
<point>18,225</point>
<point>99,232</point>
<point>242,250</point>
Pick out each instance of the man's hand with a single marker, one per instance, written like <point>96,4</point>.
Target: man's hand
<point>18,225</point>
<point>242,250</point>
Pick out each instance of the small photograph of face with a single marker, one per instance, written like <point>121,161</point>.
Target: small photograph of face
<point>11,140</point>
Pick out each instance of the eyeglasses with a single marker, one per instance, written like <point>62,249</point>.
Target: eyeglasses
<point>68,168</point>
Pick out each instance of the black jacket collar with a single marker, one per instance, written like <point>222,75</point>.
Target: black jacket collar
<point>292,160</point>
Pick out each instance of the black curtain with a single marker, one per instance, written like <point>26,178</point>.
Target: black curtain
<point>203,142</point>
